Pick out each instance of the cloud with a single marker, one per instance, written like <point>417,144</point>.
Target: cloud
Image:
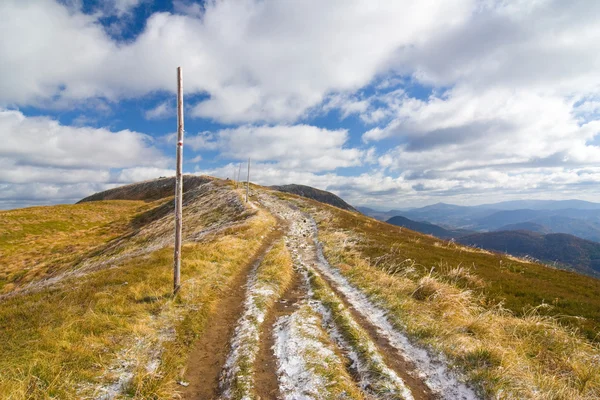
<point>256,60</point>
<point>139,174</point>
<point>44,142</point>
<point>43,160</point>
<point>461,98</point>
<point>302,147</point>
<point>161,111</point>
<point>498,127</point>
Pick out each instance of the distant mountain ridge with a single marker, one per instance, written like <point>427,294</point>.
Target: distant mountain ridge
<point>559,249</point>
<point>583,222</point>
<point>567,250</point>
<point>425,227</point>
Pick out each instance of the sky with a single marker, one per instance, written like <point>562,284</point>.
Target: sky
<point>388,104</point>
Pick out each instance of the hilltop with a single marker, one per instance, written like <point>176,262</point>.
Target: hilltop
<point>282,297</point>
<point>148,191</point>
<point>315,194</point>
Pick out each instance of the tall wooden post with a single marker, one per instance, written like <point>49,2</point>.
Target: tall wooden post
<point>178,186</point>
<point>239,173</point>
<point>248,180</point>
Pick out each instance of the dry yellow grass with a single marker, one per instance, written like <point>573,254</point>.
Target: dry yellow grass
<point>69,340</point>
<point>510,357</point>
<point>38,242</point>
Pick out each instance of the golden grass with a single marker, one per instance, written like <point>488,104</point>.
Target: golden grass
<point>508,356</point>
<point>67,341</point>
<point>38,242</point>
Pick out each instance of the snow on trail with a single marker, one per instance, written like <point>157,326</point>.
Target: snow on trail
<point>431,369</point>
<point>300,351</point>
<point>385,383</point>
<point>237,375</point>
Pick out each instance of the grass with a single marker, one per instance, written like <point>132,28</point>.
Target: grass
<point>490,318</point>
<point>517,284</point>
<point>69,340</point>
<point>38,242</point>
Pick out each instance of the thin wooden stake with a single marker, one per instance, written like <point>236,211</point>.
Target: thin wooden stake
<point>178,187</point>
<point>239,173</point>
<point>248,180</point>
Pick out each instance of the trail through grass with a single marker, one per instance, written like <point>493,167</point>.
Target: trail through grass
<point>76,340</point>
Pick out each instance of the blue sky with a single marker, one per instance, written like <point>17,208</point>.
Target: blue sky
<point>389,104</point>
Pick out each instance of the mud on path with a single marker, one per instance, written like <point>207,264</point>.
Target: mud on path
<point>210,352</point>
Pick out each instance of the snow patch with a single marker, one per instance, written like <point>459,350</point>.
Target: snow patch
<point>298,350</point>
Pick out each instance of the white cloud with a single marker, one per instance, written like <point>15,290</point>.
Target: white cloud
<point>493,128</point>
<point>42,141</point>
<point>258,60</point>
<point>161,111</point>
<point>139,174</point>
<point>514,104</point>
<point>301,147</point>
<point>125,6</point>
<point>44,161</point>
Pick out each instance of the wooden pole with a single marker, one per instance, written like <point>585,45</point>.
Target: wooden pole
<point>178,187</point>
<point>248,180</point>
<point>239,173</point>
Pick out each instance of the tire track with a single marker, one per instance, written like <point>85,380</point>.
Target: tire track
<point>427,377</point>
<point>211,351</point>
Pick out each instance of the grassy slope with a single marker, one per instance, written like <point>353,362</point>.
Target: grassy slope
<point>447,297</point>
<point>40,241</point>
<point>65,341</point>
<point>518,285</point>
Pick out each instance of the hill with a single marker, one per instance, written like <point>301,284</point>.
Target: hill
<point>566,250</point>
<point>525,226</point>
<point>583,222</point>
<point>148,191</point>
<point>448,214</point>
<point>282,297</point>
<point>315,194</point>
<point>427,228</point>
<point>380,215</point>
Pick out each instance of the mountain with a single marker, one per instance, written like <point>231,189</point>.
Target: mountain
<point>315,194</point>
<point>380,215</point>
<point>448,215</point>
<point>87,308</point>
<point>501,218</point>
<point>526,226</point>
<point>567,250</point>
<point>427,228</point>
<point>542,205</point>
<point>583,222</point>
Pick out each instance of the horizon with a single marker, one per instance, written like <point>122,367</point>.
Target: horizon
<point>465,102</point>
